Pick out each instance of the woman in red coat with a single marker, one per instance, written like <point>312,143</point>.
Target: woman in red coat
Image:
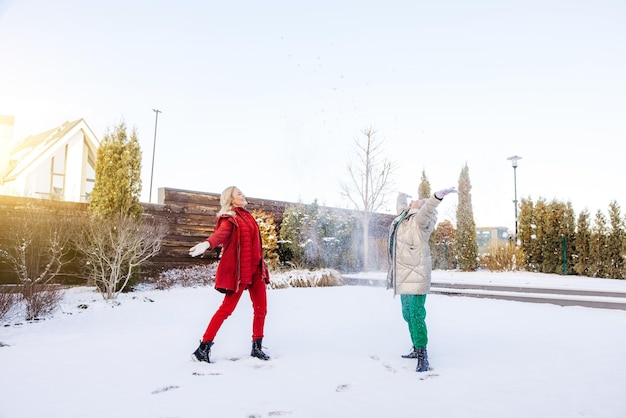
<point>240,268</point>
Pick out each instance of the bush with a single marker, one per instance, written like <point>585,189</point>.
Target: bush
<point>114,248</point>
<point>40,300</point>
<point>502,257</point>
<point>37,243</point>
<point>316,237</point>
<point>8,300</point>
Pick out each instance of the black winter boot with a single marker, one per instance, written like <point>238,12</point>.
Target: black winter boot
<point>422,360</point>
<point>412,354</point>
<point>203,352</point>
<point>257,350</point>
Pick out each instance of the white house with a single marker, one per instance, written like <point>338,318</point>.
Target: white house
<point>55,164</point>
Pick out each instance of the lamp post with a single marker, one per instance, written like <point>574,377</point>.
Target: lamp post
<point>156,120</point>
<point>514,160</point>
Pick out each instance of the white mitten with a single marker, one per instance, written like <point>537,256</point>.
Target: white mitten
<point>199,248</point>
<point>442,193</point>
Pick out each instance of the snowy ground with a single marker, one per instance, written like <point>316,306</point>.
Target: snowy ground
<point>335,353</point>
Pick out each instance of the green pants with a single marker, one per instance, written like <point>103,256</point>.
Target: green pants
<point>414,314</point>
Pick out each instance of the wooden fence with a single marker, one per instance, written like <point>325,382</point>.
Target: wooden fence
<point>189,216</point>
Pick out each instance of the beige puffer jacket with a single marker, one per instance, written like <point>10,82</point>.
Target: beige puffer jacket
<point>410,263</point>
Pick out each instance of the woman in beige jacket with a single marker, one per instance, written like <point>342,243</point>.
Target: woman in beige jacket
<point>410,267</point>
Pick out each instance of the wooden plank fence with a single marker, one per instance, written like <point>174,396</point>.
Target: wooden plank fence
<point>189,216</point>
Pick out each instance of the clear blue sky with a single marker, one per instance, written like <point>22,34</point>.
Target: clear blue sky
<point>270,96</point>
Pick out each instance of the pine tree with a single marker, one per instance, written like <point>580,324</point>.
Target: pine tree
<point>526,233</point>
<point>118,175</point>
<point>615,243</point>
<point>423,191</point>
<point>466,245</point>
<point>540,213</point>
<point>568,232</point>
<point>550,222</point>
<point>115,241</point>
<point>442,243</point>
<point>269,238</point>
<point>597,247</point>
<point>583,238</point>
<point>291,236</point>
<point>556,228</point>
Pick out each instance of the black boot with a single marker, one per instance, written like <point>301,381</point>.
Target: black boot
<point>257,350</point>
<point>203,352</point>
<point>422,360</point>
<point>412,354</point>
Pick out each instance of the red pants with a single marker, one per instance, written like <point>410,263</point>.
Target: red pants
<point>259,304</point>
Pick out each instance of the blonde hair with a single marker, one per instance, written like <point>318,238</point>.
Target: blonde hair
<point>226,200</point>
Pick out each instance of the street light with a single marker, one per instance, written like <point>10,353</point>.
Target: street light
<point>156,120</point>
<point>514,159</point>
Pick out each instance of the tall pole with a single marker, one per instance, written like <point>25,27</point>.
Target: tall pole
<point>515,201</point>
<point>514,160</point>
<point>156,121</point>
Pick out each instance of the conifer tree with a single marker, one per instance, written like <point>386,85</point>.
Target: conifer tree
<point>597,246</point>
<point>115,241</point>
<point>442,243</point>
<point>549,237</point>
<point>118,175</point>
<point>292,236</point>
<point>557,225</point>
<point>526,232</point>
<point>537,256</point>
<point>583,237</point>
<point>466,246</point>
<point>568,233</point>
<point>423,191</point>
<point>615,243</point>
<point>269,238</point>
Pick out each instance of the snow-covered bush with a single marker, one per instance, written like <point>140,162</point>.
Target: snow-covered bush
<point>306,278</point>
<point>315,237</point>
<point>204,275</point>
<point>196,275</point>
<point>267,228</point>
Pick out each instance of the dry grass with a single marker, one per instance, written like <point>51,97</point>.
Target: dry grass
<point>204,275</point>
<point>196,275</point>
<point>306,278</point>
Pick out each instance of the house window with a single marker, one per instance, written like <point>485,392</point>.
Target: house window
<point>90,179</point>
<point>57,175</point>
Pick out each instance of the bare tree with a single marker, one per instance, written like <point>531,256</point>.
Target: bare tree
<point>115,246</point>
<point>370,181</point>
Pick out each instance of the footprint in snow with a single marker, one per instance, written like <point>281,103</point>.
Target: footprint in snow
<point>206,373</point>
<point>387,366</point>
<point>271,414</point>
<point>165,389</point>
<point>343,388</point>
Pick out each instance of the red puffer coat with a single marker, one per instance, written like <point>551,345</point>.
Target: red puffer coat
<point>242,254</point>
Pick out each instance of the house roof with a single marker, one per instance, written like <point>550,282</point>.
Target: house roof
<point>24,153</point>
